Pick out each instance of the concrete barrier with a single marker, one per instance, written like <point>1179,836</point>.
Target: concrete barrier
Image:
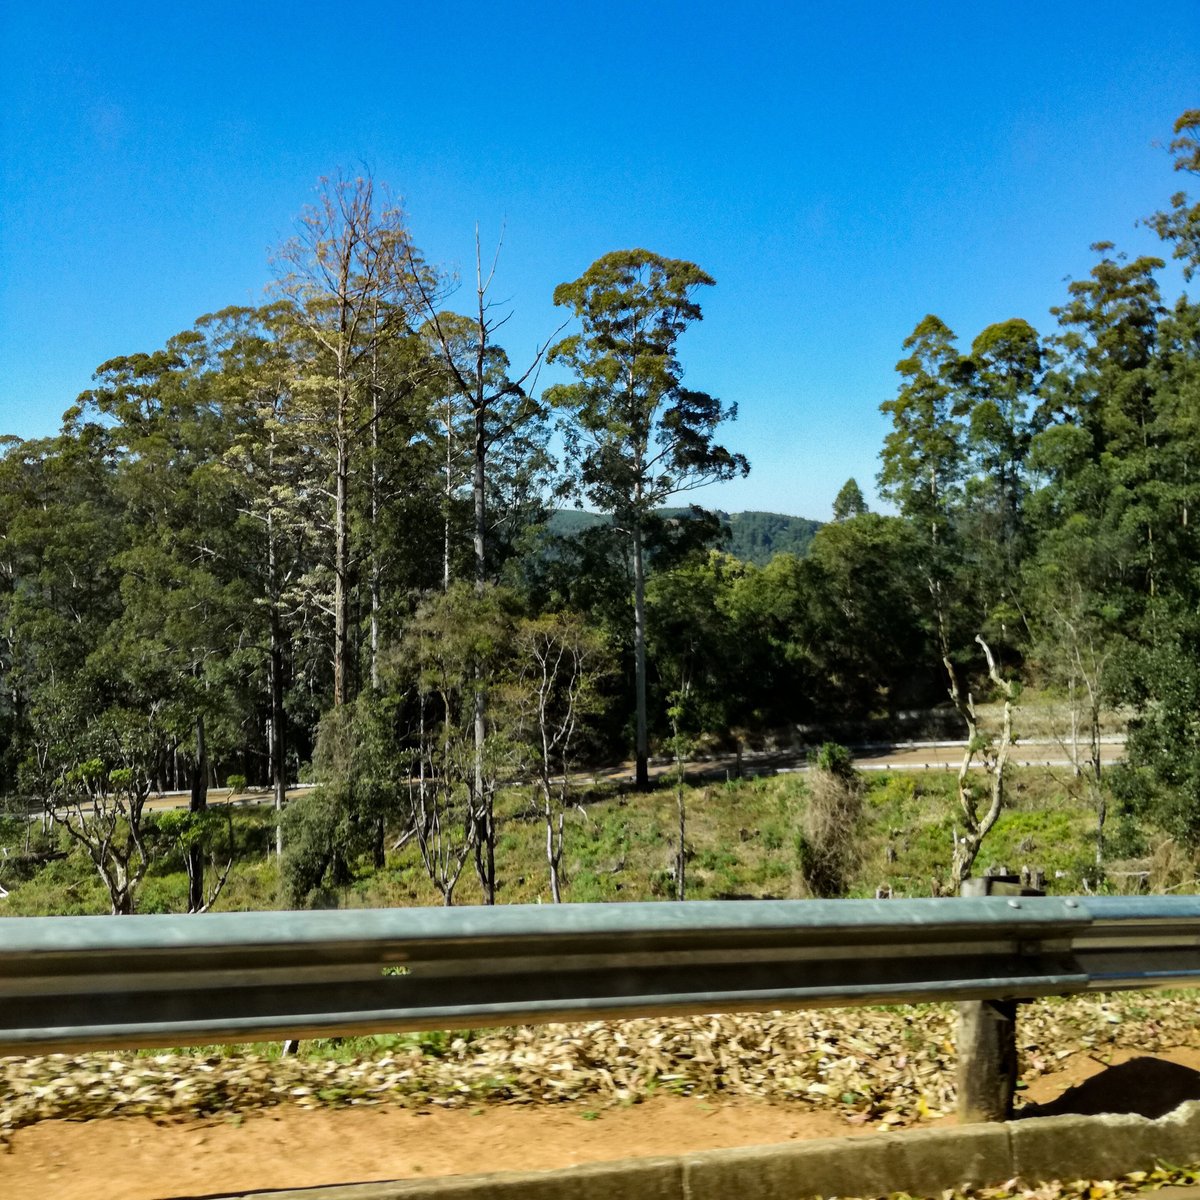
<point>915,1161</point>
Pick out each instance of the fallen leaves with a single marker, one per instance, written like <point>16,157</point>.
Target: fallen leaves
<point>890,1067</point>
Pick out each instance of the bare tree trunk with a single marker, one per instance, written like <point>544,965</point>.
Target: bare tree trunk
<point>681,856</point>
<point>278,752</point>
<point>554,849</point>
<point>995,763</point>
<point>1095,780</point>
<point>485,852</point>
<point>198,804</point>
<point>341,593</point>
<point>1076,768</point>
<point>447,496</point>
<point>375,567</point>
<point>642,751</point>
<point>278,731</point>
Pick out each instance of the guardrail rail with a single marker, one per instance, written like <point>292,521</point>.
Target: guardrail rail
<point>74,983</point>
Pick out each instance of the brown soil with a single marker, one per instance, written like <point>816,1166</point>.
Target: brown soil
<point>138,1158</point>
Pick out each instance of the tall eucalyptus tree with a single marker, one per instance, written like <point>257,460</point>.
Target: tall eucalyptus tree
<point>636,434</point>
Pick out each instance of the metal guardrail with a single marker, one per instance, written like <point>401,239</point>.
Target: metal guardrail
<point>104,982</point>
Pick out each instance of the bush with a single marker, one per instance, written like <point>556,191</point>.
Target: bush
<point>829,845</point>
<point>319,840</point>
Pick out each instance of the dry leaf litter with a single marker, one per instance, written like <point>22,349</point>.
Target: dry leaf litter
<point>892,1067</point>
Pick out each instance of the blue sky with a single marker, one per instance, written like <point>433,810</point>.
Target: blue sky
<point>839,169</point>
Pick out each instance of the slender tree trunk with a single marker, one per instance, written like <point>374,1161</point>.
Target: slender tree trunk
<point>681,858</point>
<point>642,751</point>
<point>554,849</point>
<point>486,844</point>
<point>278,750</point>
<point>1096,781</point>
<point>198,804</point>
<point>375,568</point>
<point>341,515</point>
<point>278,729</point>
<point>995,761</point>
<point>447,497</point>
<point>479,496</point>
<point>1076,766</point>
<point>341,596</point>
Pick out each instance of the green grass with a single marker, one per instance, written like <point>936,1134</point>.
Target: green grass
<point>742,839</point>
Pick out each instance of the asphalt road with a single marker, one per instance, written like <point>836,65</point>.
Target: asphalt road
<point>906,756</point>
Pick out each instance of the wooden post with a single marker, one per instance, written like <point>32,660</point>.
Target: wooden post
<point>987,1034</point>
<point>987,1060</point>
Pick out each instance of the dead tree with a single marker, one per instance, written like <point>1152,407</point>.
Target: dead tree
<point>496,406</point>
<point>558,665</point>
<point>979,809</point>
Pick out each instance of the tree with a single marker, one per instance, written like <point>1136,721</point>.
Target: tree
<point>637,435</point>
<point>1182,224</point>
<point>1104,385</point>
<point>93,772</point>
<point>558,664</point>
<point>346,276</point>
<point>864,629</point>
<point>1005,370</point>
<point>980,811</point>
<point>455,639</point>
<point>184,579</point>
<point>924,458</point>
<point>61,524</point>
<point>849,502</point>
<point>923,464</point>
<point>497,409</point>
<point>694,643</point>
<point>262,462</point>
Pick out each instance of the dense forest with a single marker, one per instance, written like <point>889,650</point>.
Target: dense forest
<point>314,540</point>
<point>750,537</point>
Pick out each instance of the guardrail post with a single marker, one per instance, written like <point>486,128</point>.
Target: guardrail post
<point>987,1060</point>
<point>987,1034</point>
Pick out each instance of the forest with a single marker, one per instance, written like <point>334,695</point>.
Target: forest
<point>342,539</point>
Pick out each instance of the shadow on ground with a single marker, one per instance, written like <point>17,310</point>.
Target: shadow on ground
<point>1150,1087</point>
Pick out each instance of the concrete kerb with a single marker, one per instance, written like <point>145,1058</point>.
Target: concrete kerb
<point>1101,1147</point>
<point>917,1161</point>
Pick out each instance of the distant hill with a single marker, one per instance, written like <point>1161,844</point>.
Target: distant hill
<point>754,537</point>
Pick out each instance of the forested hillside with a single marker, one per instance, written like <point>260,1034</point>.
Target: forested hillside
<point>311,539</point>
<point>750,537</point>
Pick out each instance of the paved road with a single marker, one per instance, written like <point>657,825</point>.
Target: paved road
<point>904,756</point>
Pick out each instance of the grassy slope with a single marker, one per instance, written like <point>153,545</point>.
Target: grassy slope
<point>742,838</point>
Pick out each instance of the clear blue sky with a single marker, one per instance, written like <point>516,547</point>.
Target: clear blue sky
<point>839,169</point>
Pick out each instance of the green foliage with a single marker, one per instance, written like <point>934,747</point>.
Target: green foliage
<point>750,537</point>
<point>234,557</point>
<point>1181,225</point>
<point>635,433</point>
<point>757,537</point>
<point>320,835</point>
<point>849,501</point>
<point>835,760</point>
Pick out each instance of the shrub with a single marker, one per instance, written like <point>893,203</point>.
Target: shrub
<point>829,844</point>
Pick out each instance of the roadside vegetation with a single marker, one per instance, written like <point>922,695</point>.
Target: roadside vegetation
<point>788,835</point>
<point>316,540</point>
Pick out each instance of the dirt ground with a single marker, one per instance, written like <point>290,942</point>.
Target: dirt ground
<point>139,1158</point>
